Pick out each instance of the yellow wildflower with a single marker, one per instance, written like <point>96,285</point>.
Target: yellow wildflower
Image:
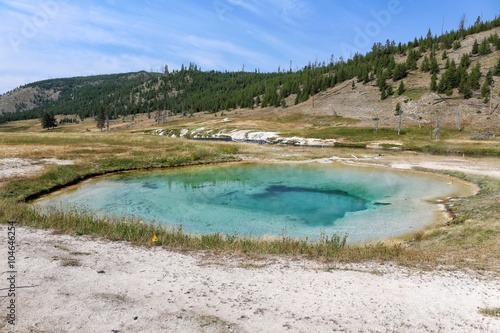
<point>154,239</point>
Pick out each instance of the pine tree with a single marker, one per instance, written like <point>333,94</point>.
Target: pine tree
<point>399,72</point>
<point>475,47</point>
<point>485,92</point>
<point>444,85</point>
<point>383,94</point>
<point>466,90</point>
<point>465,61</point>
<point>381,80</point>
<point>496,42</point>
<point>447,64</point>
<point>489,78</point>
<point>464,79</point>
<point>496,70</point>
<point>411,60</point>
<point>425,67</point>
<point>47,120</point>
<point>401,88</point>
<point>389,90</point>
<point>366,78</point>
<point>453,74</point>
<point>101,118</point>
<point>465,85</point>
<point>434,86</point>
<point>475,75</point>
<point>434,66</point>
<point>484,47</point>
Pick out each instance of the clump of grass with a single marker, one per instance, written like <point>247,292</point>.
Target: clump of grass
<point>491,312</point>
<point>350,144</point>
<point>70,262</point>
<point>229,149</point>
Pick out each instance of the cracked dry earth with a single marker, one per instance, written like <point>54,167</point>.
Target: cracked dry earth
<point>79,284</point>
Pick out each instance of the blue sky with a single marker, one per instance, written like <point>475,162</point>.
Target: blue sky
<point>44,39</point>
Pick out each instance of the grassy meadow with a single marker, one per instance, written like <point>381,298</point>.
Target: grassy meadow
<point>470,240</point>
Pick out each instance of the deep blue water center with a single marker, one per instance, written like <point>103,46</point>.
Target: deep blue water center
<point>310,206</point>
<point>300,200</point>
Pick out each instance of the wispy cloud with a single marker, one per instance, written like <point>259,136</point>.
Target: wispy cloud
<point>286,10</point>
<point>249,6</point>
<point>22,6</point>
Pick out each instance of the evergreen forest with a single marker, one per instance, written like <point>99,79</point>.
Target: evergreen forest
<point>189,89</point>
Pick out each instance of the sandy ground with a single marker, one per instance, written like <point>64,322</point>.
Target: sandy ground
<point>77,284</point>
<point>11,167</point>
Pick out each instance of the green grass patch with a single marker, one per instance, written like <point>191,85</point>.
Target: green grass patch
<point>335,120</point>
<point>415,93</point>
<point>445,148</point>
<point>11,129</point>
<point>229,149</point>
<point>390,146</point>
<point>359,134</point>
<point>350,144</point>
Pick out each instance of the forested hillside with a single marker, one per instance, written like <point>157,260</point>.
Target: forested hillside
<point>191,90</point>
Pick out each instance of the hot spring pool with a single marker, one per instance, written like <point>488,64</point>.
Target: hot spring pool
<point>299,200</point>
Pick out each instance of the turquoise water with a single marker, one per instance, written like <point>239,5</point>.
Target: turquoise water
<point>300,200</point>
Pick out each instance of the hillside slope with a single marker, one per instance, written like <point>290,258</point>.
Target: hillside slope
<point>364,88</point>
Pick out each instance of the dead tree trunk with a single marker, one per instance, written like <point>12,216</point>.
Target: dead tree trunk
<point>437,130</point>
<point>376,120</point>
<point>400,122</point>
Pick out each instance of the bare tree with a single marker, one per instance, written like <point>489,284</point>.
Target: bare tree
<point>161,116</point>
<point>334,112</point>
<point>461,26</point>
<point>376,120</point>
<point>437,130</point>
<point>399,113</point>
